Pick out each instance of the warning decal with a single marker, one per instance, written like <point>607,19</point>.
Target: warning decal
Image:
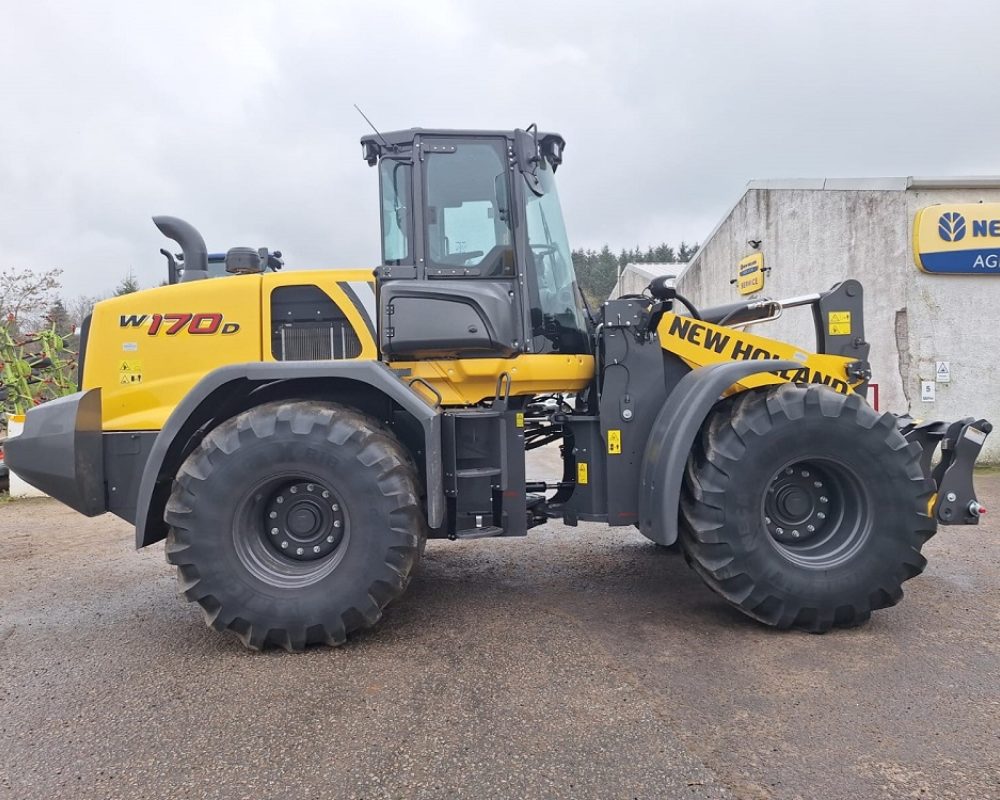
<point>129,371</point>
<point>614,442</point>
<point>840,323</point>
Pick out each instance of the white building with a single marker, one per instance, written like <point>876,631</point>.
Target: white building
<point>933,336</point>
<point>636,277</point>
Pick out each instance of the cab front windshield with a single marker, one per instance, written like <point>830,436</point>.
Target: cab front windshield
<point>555,299</point>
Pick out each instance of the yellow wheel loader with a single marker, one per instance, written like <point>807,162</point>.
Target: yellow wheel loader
<point>296,436</point>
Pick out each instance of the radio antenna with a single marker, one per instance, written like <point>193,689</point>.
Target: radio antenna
<point>379,135</point>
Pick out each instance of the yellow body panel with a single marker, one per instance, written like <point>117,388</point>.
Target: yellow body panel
<point>329,281</point>
<point>147,350</point>
<point>468,380</point>
<point>143,354</point>
<point>702,343</point>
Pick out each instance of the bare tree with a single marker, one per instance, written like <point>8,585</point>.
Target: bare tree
<point>26,296</point>
<point>80,307</point>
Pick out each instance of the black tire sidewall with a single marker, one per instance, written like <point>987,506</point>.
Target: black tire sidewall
<point>883,476</point>
<point>372,526</point>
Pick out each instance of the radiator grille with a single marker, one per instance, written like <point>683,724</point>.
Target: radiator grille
<point>307,325</point>
<point>317,341</point>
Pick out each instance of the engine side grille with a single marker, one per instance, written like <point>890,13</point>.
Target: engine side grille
<point>311,341</point>
<point>307,325</point>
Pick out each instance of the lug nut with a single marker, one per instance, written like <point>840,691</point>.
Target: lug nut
<point>326,495</point>
<point>336,523</point>
<point>817,484</point>
<point>821,515</point>
<point>274,531</point>
<point>767,520</point>
<point>316,549</point>
<point>795,534</point>
<point>789,471</point>
<point>823,499</point>
<point>284,545</point>
<point>310,487</point>
<point>335,507</point>
<point>779,531</point>
<point>294,490</point>
<point>273,514</point>
<point>811,528</point>
<point>329,539</point>
<point>280,500</point>
<point>299,551</point>
<point>805,473</point>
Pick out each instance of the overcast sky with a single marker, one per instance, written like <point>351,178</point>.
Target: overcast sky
<point>238,116</point>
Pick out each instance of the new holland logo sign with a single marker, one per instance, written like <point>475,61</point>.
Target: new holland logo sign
<point>962,239</point>
<point>750,274</point>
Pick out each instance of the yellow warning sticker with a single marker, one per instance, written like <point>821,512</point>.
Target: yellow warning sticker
<point>581,472</point>
<point>614,442</point>
<point>839,323</point>
<point>129,371</point>
<point>519,419</point>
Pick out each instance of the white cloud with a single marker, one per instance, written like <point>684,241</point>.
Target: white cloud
<point>238,116</point>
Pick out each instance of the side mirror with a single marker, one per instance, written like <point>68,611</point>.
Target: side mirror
<point>528,157</point>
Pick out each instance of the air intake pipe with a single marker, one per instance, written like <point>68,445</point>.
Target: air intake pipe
<point>192,244</point>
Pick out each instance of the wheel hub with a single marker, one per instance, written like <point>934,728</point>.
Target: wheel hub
<point>797,504</point>
<point>304,520</point>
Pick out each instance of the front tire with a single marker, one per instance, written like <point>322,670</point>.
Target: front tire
<point>295,523</point>
<point>805,508</point>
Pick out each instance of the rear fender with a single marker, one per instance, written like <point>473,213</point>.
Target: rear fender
<point>673,434</point>
<point>184,427</point>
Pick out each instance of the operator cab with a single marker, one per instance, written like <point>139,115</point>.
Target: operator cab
<point>475,257</point>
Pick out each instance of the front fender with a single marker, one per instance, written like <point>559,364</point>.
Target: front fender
<point>673,434</point>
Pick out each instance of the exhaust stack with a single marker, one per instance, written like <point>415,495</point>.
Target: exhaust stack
<point>192,244</point>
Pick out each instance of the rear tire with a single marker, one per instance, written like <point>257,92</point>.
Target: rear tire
<point>805,508</point>
<point>295,523</point>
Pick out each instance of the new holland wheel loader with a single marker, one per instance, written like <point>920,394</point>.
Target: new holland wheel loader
<point>297,436</point>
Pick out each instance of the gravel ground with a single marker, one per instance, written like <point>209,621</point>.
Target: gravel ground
<point>578,663</point>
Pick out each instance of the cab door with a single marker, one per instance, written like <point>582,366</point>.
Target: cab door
<point>462,299</point>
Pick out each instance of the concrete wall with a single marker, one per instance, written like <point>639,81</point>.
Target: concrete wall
<point>813,235</point>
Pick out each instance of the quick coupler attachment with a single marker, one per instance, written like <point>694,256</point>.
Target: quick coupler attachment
<point>955,502</point>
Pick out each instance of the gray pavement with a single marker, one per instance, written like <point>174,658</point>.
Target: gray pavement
<point>578,663</point>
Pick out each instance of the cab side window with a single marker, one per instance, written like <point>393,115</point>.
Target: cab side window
<point>468,229</point>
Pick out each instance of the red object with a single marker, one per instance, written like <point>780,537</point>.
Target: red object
<point>874,388</point>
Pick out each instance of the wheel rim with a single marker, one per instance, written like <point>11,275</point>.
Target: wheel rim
<point>291,530</point>
<point>816,513</point>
